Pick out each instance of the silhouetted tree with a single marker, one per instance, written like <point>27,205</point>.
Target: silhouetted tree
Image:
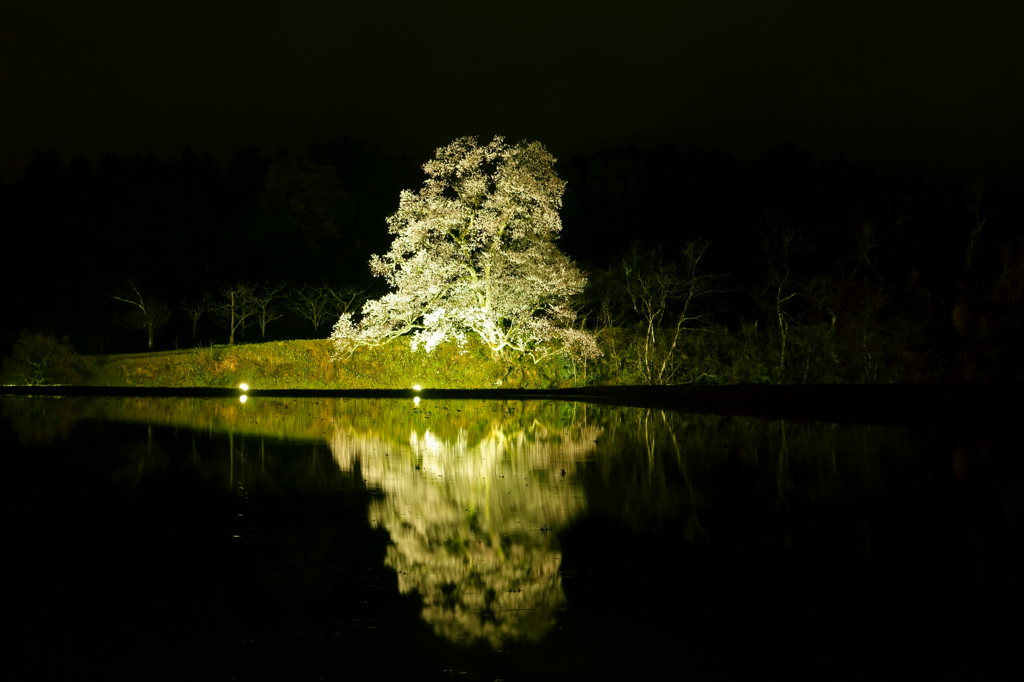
<point>233,307</point>
<point>667,296</point>
<point>267,305</point>
<point>781,241</point>
<point>321,303</point>
<point>38,359</point>
<point>147,312</point>
<point>195,310</point>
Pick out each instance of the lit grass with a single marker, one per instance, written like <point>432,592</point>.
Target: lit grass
<point>308,364</point>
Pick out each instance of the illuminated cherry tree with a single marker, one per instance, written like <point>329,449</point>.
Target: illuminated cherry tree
<point>474,253</point>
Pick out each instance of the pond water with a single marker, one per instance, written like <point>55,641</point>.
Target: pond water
<point>317,538</point>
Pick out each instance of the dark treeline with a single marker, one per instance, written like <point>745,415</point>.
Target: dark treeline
<point>786,269</point>
<point>806,270</point>
<point>74,235</point>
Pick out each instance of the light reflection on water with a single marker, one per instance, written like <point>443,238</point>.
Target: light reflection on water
<point>470,511</point>
<point>519,523</point>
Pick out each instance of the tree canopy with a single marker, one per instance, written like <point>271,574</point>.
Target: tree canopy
<point>474,252</point>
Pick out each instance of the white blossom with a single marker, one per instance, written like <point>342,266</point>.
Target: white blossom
<point>474,252</point>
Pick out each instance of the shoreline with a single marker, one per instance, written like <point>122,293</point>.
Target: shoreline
<point>887,404</point>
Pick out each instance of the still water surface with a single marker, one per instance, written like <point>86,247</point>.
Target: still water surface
<point>302,538</point>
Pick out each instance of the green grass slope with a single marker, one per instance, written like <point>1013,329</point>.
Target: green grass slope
<point>308,364</point>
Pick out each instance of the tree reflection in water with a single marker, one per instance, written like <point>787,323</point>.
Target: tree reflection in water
<point>505,516</point>
<point>471,502</point>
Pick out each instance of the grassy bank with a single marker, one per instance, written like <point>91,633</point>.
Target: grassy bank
<point>301,364</point>
<point>711,356</point>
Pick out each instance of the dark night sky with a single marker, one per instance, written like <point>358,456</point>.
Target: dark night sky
<point>901,85</point>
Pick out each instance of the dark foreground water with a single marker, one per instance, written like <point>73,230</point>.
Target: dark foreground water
<point>295,539</point>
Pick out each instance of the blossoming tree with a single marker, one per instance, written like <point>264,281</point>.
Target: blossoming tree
<point>474,253</point>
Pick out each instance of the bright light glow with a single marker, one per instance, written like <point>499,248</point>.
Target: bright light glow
<point>242,398</point>
<point>417,387</point>
<point>243,386</point>
<point>416,401</point>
